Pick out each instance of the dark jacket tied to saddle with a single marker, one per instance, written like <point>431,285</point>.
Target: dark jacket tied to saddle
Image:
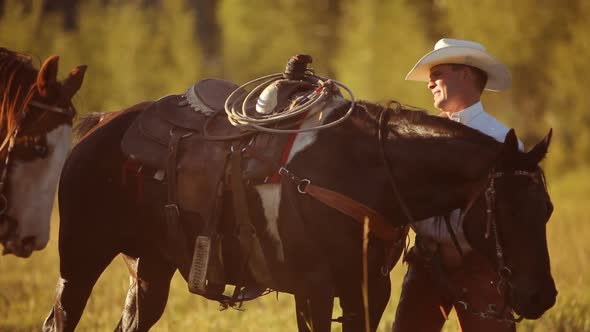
<point>173,136</point>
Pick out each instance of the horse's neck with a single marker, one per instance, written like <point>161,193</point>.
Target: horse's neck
<point>436,164</point>
<point>438,173</point>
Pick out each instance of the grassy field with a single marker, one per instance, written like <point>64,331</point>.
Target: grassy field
<point>27,286</point>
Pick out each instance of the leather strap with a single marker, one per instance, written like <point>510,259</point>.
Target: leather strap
<point>175,242</point>
<point>245,231</point>
<point>447,219</point>
<point>358,211</point>
<point>172,205</point>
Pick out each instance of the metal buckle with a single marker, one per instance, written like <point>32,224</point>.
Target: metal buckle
<point>302,186</point>
<point>172,208</point>
<point>283,171</point>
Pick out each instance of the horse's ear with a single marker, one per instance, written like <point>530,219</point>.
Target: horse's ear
<point>510,143</point>
<point>73,82</point>
<point>47,77</point>
<point>540,150</point>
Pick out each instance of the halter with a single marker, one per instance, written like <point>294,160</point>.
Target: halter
<point>68,112</point>
<point>504,272</point>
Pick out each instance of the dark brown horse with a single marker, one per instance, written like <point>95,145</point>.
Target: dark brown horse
<point>36,115</point>
<point>314,251</point>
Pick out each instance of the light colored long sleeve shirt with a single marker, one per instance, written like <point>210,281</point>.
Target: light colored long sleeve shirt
<point>435,228</point>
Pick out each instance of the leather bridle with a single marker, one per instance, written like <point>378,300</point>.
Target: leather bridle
<point>39,148</point>
<point>504,272</point>
<point>489,191</point>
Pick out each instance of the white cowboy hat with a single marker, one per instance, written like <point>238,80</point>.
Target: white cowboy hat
<point>464,52</point>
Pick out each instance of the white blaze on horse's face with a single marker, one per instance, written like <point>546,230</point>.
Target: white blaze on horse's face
<point>32,191</point>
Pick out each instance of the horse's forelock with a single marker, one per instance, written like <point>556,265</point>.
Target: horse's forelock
<point>17,88</point>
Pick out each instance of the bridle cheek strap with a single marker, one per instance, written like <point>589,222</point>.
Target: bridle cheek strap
<point>504,272</point>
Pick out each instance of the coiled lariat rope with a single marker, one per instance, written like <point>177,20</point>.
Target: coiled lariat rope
<point>296,70</point>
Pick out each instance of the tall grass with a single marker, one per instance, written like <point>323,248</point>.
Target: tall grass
<point>27,286</point>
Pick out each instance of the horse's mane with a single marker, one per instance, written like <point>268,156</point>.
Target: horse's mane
<point>17,87</point>
<point>411,122</point>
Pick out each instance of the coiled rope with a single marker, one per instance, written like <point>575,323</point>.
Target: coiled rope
<point>296,69</point>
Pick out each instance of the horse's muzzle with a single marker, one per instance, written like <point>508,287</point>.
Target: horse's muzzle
<point>533,302</point>
<point>23,248</point>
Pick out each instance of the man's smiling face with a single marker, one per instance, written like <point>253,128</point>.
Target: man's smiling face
<point>447,84</point>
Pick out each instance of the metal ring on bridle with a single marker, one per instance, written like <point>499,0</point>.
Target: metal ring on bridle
<point>302,186</point>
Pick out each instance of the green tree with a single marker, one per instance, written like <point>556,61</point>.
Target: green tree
<point>567,98</point>
<point>133,53</point>
<point>22,28</point>
<point>521,34</point>
<point>381,41</point>
<point>259,38</point>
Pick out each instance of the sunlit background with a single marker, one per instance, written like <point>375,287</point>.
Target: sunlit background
<point>143,50</point>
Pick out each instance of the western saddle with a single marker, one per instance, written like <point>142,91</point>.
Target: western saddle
<point>172,136</point>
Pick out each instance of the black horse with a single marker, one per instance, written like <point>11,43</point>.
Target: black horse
<point>315,251</point>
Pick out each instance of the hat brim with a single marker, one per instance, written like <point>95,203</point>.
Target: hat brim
<point>499,77</point>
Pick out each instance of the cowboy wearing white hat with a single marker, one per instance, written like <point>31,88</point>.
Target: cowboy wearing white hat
<point>457,72</point>
<point>467,53</point>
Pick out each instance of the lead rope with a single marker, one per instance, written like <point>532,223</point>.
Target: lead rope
<point>383,121</point>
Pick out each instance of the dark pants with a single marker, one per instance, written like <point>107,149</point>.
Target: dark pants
<point>423,300</point>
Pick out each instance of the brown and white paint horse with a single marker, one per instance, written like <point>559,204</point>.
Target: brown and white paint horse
<point>36,114</point>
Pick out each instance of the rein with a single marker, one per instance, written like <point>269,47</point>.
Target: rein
<point>383,131</point>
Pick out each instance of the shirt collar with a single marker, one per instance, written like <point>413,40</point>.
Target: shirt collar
<point>467,115</point>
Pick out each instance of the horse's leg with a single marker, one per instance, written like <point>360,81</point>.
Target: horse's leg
<point>302,312</point>
<point>313,315</point>
<point>147,295</point>
<point>79,273</point>
<point>314,302</point>
<point>353,309</point>
<point>94,219</point>
<point>308,270</point>
<point>86,248</point>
